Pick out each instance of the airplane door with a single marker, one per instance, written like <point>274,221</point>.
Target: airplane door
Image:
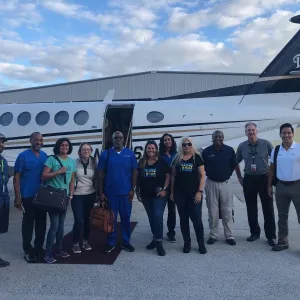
<point>117,118</point>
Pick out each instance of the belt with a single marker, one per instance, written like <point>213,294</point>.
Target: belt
<point>289,182</point>
<point>226,181</point>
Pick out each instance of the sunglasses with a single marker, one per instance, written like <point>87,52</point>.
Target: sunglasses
<point>186,144</point>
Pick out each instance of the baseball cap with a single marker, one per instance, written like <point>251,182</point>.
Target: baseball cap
<point>3,138</point>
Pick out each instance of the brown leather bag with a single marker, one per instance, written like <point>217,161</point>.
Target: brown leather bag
<point>102,217</point>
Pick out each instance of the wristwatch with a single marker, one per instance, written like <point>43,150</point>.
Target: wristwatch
<point>200,191</point>
<point>164,189</point>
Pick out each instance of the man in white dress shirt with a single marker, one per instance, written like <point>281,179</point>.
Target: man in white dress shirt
<point>284,173</point>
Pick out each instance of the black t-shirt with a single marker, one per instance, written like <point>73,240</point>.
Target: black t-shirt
<point>151,177</point>
<point>187,176</point>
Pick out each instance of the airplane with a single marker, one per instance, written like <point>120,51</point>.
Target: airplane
<point>273,99</point>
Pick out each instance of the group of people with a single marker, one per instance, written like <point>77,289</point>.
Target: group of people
<point>166,175</point>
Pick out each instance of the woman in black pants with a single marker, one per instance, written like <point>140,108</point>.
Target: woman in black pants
<point>187,184</point>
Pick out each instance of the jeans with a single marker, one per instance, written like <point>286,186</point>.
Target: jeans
<point>171,222</point>
<point>33,216</point>
<point>252,186</point>
<point>81,207</point>
<point>188,209</point>
<point>56,230</point>
<point>155,208</point>
<point>120,204</point>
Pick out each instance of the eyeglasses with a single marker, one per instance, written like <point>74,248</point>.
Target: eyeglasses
<point>118,137</point>
<point>186,144</point>
<point>86,149</point>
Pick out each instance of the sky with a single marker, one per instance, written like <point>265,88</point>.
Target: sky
<point>53,41</point>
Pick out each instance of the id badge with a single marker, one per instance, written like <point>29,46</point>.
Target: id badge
<point>253,168</point>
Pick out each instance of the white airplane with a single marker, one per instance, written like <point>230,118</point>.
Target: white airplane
<point>273,99</point>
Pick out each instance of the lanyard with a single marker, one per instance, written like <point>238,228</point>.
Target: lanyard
<point>2,173</point>
<point>253,152</point>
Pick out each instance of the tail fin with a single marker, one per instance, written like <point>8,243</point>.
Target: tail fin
<point>282,75</point>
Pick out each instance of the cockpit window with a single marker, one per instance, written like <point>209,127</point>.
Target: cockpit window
<point>24,118</point>
<point>6,119</point>
<point>61,118</point>
<point>81,117</point>
<point>155,116</point>
<point>42,118</point>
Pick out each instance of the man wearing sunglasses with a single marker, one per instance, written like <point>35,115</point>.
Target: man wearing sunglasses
<point>119,167</point>
<point>219,164</point>
<point>4,196</point>
<point>256,152</point>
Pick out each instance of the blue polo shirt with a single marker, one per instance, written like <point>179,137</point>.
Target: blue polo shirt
<point>31,168</point>
<point>219,165</point>
<point>119,171</point>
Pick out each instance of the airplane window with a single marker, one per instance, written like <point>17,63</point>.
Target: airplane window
<point>6,119</point>
<point>24,118</point>
<point>81,117</point>
<point>61,118</point>
<point>155,116</point>
<point>42,118</point>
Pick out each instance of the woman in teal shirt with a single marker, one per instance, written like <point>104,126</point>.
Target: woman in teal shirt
<point>54,175</point>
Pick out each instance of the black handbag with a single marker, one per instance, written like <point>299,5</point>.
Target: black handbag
<point>52,199</point>
<point>4,217</point>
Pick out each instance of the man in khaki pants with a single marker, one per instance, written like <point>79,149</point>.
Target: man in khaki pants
<point>219,164</point>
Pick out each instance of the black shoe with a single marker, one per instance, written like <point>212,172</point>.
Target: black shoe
<point>4,263</point>
<point>231,242</point>
<point>202,248</point>
<point>127,247</point>
<point>253,237</point>
<point>280,247</point>
<point>109,248</point>
<point>186,248</point>
<point>151,246</point>
<point>30,257</point>
<point>271,242</point>
<point>211,241</point>
<point>160,249</point>
<point>171,237</point>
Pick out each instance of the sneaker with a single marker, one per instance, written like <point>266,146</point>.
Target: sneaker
<point>76,249</point>
<point>151,245</point>
<point>186,248</point>
<point>3,263</point>
<point>30,258</point>
<point>211,241</point>
<point>86,246</point>
<point>127,247</point>
<point>171,237</point>
<point>62,254</point>
<point>271,242</point>
<point>160,249</point>
<point>49,259</point>
<point>109,248</point>
<point>231,242</point>
<point>253,237</point>
<point>280,247</point>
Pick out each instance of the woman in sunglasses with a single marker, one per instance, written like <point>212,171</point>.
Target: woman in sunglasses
<point>153,182</point>
<point>187,184</point>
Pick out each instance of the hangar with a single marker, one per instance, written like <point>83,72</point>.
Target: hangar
<point>146,85</point>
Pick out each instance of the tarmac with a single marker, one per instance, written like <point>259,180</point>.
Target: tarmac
<point>245,271</point>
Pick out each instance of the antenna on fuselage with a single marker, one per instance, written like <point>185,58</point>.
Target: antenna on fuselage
<point>109,96</point>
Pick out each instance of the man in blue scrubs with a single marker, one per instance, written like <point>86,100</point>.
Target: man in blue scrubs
<point>4,196</point>
<point>27,181</point>
<point>119,167</point>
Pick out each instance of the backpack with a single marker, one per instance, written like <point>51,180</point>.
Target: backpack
<point>275,179</point>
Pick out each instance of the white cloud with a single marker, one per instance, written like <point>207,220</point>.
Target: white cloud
<point>136,42</point>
